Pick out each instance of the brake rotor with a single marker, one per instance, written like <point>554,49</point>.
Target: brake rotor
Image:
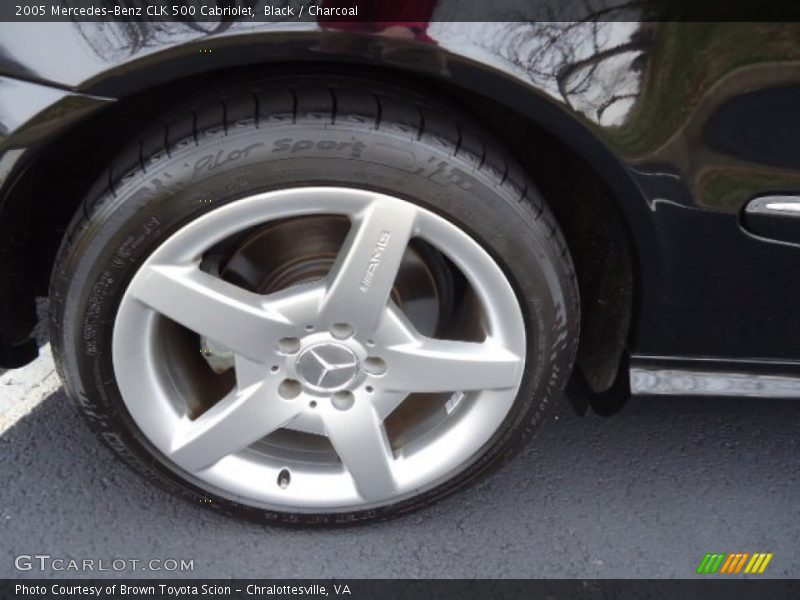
<point>289,252</point>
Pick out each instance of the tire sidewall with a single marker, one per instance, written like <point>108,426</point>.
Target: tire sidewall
<point>147,205</point>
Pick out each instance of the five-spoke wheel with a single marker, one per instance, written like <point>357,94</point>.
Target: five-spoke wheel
<point>333,357</point>
<point>314,301</point>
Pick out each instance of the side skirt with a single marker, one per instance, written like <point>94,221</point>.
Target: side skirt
<point>657,376</point>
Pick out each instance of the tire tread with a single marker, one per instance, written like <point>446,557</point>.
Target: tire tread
<point>411,116</point>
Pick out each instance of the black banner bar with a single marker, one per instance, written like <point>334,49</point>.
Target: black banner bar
<point>396,11</point>
<point>361,589</point>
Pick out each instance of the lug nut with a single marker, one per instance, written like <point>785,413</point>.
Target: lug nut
<point>342,331</point>
<point>374,365</point>
<point>289,388</point>
<point>343,400</point>
<point>288,345</point>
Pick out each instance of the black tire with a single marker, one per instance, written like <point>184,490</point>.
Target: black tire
<point>212,151</point>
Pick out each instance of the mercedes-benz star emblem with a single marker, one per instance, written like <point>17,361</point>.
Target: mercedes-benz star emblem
<point>327,366</point>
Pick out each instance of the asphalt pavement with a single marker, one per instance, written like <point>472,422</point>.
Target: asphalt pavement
<point>645,493</point>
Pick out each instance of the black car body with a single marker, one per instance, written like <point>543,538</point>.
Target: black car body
<point>660,138</point>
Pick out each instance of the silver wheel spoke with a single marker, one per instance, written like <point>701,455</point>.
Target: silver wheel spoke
<point>237,318</point>
<point>362,277</point>
<point>359,438</point>
<point>329,363</point>
<point>385,402</point>
<point>238,420</point>
<point>431,365</point>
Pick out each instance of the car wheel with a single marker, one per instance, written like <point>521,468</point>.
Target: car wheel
<point>314,303</point>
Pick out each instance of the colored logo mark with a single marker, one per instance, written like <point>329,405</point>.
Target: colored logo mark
<point>735,562</point>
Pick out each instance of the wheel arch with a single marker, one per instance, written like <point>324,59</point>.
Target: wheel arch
<point>598,205</point>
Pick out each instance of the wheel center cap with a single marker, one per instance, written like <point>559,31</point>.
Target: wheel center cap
<point>327,367</point>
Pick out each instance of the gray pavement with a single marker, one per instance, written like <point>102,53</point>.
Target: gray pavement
<point>642,494</point>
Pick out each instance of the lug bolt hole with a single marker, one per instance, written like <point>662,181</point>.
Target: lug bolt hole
<point>369,389</point>
<point>342,331</point>
<point>309,328</point>
<point>374,365</point>
<point>274,369</point>
<point>289,388</point>
<point>370,342</point>
<point>288,345</point>
<point>343,400</point>
<point>313,404</point>
<point>284,479</point>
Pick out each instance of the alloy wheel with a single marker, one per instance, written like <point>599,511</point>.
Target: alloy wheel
<point>324,392</point>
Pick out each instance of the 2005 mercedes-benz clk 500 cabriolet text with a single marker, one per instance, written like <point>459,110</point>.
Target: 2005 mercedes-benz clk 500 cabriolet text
<point>327,271</point>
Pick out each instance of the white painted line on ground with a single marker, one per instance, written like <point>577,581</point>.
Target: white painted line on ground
<point>21,390</point>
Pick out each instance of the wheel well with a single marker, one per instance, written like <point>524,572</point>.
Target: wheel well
<point>47,195</point>
<point>596,234</point>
